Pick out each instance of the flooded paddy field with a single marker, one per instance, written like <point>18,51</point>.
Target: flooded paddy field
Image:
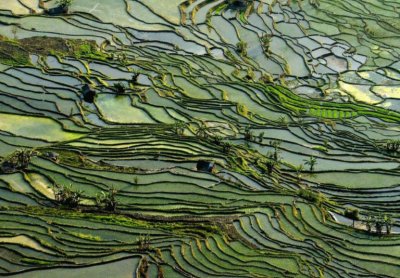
<point>218,138</point>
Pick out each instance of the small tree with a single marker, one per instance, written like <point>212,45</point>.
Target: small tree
<point>144,243</point>
<point>265,42</point>
<point>387,219</point>
<point>66,196</point>
<point>179,127</point>
<point>203,131</point>
<point>107,200</point>
<point>271,165</point>
<point>241,48</point>
<point>299,171</point>
<point>135,78</point>
<point>368,223</point>
<point>275,144</point>
<point>248,134</point>
<point>119,88</point>
<point>14,31</point>
<point>379,224</point>
<point>216,139</point>
<point>312,161</point>
<point>261,137</point>
<point>353,214</point>
<point>226,147</point>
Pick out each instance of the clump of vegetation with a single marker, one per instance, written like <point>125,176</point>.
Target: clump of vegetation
<point>314,197</point>
<point>203,131</point>
<point>88,92</point>
<point>64,3</point>
<point>261,137</point>
<point>66,196</point>
<point>121,57</point>
<point>226,147</point>
<point>144,243</point>
<point>135,78</point>
<point>250,75</point>
<point>266,78</point>
<point>243,110</point>
<point>392,145</point>
<point>225,96</point>
<point>216,139</point>
<point>271,164</point>
<point>239,4</point>
<point>179,128</point>
<point>276,145</point>
<point>353,214</point>
<point>119,88</point>
<point>87,49</point>
<point>17,161</point>
<point>143,267</point>
<point>241,48</point>
<point>266,42</point>
<point>248,134</point>
<point>107,200</point>
<point>320,148</point>
<point>299,170</point>
<point>315,3</point>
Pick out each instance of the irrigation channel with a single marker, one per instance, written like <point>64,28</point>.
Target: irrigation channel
<point>108,107</point>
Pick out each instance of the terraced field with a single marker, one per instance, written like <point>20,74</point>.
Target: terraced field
<point>108,110</point>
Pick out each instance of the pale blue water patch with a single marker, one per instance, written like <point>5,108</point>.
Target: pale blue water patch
<point>229,175</point>
<point>169,38</point>
<point>121,269</point>
<point>110,71</point>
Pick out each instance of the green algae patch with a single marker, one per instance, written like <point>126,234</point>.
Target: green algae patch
<point>36,128</point>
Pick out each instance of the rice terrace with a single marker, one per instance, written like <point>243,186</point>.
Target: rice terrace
<point>200,138</point>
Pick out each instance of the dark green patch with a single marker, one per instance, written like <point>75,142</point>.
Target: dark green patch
<point>16,52</point>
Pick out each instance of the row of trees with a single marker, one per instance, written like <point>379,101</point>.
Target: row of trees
<point>17,161</point>
<point>68,197</point>
<point>205,132</point>
<point>392,145</point>
<point>20,159</point>
<point>378,221</point>
<point>249,136</point>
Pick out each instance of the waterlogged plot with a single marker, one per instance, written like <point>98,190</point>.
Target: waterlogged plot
<point>35,128</point>
<point>220,138</point>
